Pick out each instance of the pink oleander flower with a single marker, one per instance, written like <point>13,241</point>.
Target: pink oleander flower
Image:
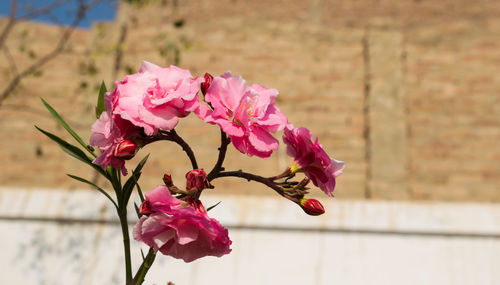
<point>311,159</point>
<point>155,98</point>
<point>246,113</point>
<point>180,229</point>
<point>196,180</point>
<point>114,137</point>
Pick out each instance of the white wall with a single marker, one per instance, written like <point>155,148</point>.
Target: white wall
<point>355,242</point>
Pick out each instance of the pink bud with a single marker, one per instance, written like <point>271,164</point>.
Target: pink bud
<point>125,150</point>
<point>196,180</point>
<point>144,209</point>
<point>208,80</point>
<point>312,207</point>
<point>167,179</point>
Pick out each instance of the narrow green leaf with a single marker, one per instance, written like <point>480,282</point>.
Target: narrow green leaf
<point>101,107</point>
<point>139,191</point>
<point>61,121</point>
<point>133,180</point>
<point>137,210</point>
<point>73,151</point>
<point>114,175</point>
<point>213,206</point>
<point>95,186</point>
<point>129,186</point>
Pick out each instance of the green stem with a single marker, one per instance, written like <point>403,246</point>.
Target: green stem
<point>126,243</point>
<point>145,266</point>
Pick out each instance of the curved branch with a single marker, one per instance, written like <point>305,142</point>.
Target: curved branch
<point>224,142</point>
<point>82,9</point>
<point>252,177</point>
<point>173,136</point>
<point>10,23</point>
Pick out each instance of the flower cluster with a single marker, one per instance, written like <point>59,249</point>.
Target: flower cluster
<point>146,107</point>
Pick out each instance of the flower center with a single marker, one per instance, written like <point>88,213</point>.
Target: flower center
<point>158,92</point>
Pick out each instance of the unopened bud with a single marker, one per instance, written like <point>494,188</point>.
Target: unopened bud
<point>197,205</point>
<point>167,179</point>
<point>312,207</point>
<point>145,209</point>
<point>208,81</point>
<point>196,180</point>
<point>125,150</point>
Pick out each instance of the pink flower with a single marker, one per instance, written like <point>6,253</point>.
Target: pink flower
<point>155,97</point>
<point>114,138</point>
<point>311,159</point>
<point>179,229</point>
<point>196,180</point>
<point>246,113</point>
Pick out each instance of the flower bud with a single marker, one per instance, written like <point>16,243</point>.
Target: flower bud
<point>167,179</point>
<point>208,80</point>
<point>144,209</point>
<point>125,150</point>
<point>197,205</point>
<point>312,207</point>
<point>196,180</point>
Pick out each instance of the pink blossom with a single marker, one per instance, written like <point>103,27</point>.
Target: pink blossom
<point>311,159</point>
<point>246,113</point>
<point>180,229</point>
<point>110,134</point>
<point>155,97</point>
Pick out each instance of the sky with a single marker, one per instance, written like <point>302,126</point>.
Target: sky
<point>65,13</point>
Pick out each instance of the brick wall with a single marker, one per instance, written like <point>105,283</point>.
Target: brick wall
<point>406,93</point>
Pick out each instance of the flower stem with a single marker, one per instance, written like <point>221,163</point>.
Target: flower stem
<point>252,177</point>
<point>126,243</point>
<point>224,141</point>
<point>145,266</point>
<point>173,136</point>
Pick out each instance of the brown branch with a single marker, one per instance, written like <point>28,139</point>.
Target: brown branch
<point>82,9</point>
<point>10,23</point>
<point>119,50</point>
<point>42,10</point>
<point>11,60</point>
<point>224,141</point>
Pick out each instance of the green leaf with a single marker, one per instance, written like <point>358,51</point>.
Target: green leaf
<point>213,206</point>
<point>95,186</point>
<point>137,210</point>
<point>61,121</point>
<point>129,186</point>
<point>73,151</point>
<point>133,180</point>
<point>101,107</point>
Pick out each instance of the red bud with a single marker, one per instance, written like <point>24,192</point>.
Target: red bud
<point>196,180</point>
<point>312,207</point>
<point>197,205</point>
<point>167,179</point>
<point>125,150</point>
<point>208,81</point>
<point>144,209</point>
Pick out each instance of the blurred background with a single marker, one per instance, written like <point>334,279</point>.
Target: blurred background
<point>407,93</point>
